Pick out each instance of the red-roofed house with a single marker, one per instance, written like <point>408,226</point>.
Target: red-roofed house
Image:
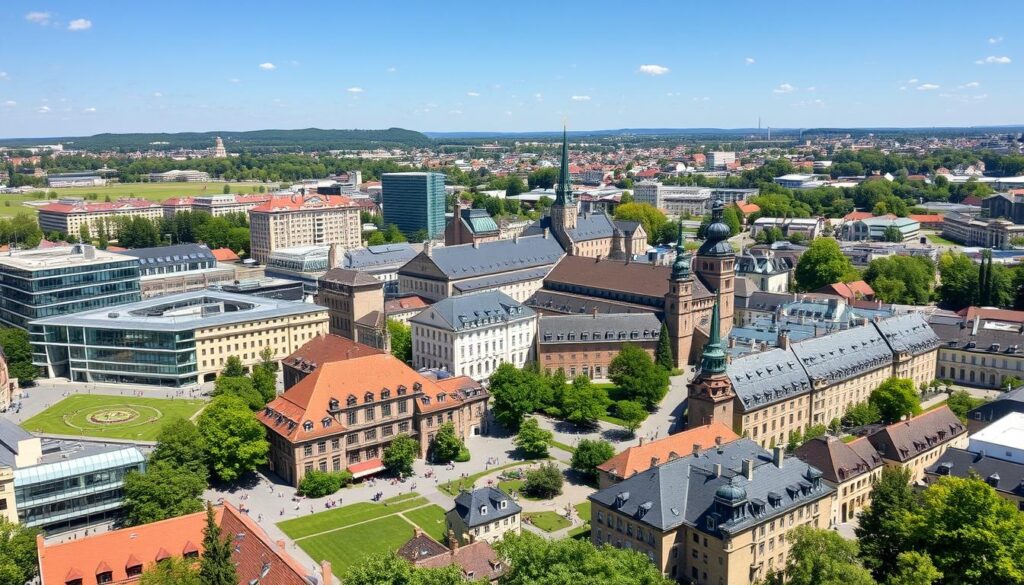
<point>121,556</point>
<point>402,309</point>
<point>858,215</point>
<point>68,216</point>
<point>345,413</point>
<point>747,208</point>
<point>646,455</point>
<point>928,220</point>
<point>297,220</point>
<point>849,291</point>
<point>225,255</point>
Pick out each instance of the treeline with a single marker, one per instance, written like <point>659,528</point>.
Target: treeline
<point>223,231</point>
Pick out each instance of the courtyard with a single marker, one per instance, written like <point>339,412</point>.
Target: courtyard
<point>111,417</point>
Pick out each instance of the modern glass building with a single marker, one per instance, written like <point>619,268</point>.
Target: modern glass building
<point>74,486</point>
<point>414,202</point>
<point>36,284</point>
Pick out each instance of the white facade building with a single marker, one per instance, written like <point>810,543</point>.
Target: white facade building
<point>720,160</point>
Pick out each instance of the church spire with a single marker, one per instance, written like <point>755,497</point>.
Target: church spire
<point>712,361</point>
<point>681,267</point>
<point>563,195</point>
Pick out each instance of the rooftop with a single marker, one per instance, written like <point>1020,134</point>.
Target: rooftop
<point>484,505</point>
<point>904,440</point>
<point>1007,431</point>
<point>598,327</point>
<point>59,257</point>
<point>473,311</point>
<point>296,202</point>
<point>646,455</point>
<point>486,258</point>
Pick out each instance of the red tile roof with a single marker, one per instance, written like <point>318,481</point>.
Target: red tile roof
<point>637,459</point>
<point>84,207</point>
<point>857,215</point>
<point>225,255</point>
<point>926,218</point>
<point>327,348</point>
<point>747,208</point>
<point>987,313</point>
<point>298,202</point>
<point>857,289</point>
<point>402,304</point>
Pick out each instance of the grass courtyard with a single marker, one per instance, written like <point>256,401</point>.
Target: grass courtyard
<point>13,204</point>
<point>346,535</point>
<point>113,417</point>
<point>547,521</point>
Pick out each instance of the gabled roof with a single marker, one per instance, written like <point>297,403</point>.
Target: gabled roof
<point>225,255</point>
<point>613,328</point>
<point>485,258</point>
<point>638,278</point>
<point>296,202</point>
<point>377,256</point>
<point>473,311</point>
<point>484,505</point>
<point>1005,476</point>
<point>642,457</point>
<point>839,461</point>
<point>908,333</point>
<point>907,439</point>
<point>350,277</point>
<point>327,348</point>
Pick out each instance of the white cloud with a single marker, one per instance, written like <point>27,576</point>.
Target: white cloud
<point>903,88</point>
<point>809,103</point>
<point>456,112</point>
<point>268,66</point>
<point>811,89</point>
<point>970,84</point>
<point>927,87</point>
<point>749,61</point>
<point>995,40</point>
<point>40,18</point>
<point>356,89</point>
<point>653,69</point>
<point>994,60</point>
<point>10,104</point>
<point>912,81</point>
<point>981,96</point>
<point>784,88</point>
<point>43,109</point>
<point>473,94</point>
<point>157,94</point>
<point>80,24</point>
<point>539,97</point>
<point>391,69</point>
<point>89,110</point>
<point>581,98</point>
<point>508,113</point>
<point>234,80</point>
<point>3,75</point>
<point>702,99</point>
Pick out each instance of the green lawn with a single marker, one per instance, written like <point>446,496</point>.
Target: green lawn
<point>547,521</point>
<point>583,510</point>
<point>115,417</point>
<point>452,487</point>
<point>151,191</point>
<point>568,448</point>
<point>937,239</point>
<point>344,516</point>
<point>430,519</point>
<point>348,546</point>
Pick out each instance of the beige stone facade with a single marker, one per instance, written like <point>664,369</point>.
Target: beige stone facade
<point>8,509</point>
<point>68,218</point>
<point>312,220</point>
<point>173,283</point>
<point>352,298</point>
<point>917,443</point>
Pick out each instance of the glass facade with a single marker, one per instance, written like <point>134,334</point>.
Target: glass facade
<point>414,201</point>
<point>29,294</point>
<point>75,492</point>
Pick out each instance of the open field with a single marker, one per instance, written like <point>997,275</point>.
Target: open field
<point>346,535</point>
<point>12,204</point>
<point>115,417</point>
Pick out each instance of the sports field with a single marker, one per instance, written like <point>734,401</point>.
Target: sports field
<point>13,204</point>
<point>346,535</point>
<point>115,417</point>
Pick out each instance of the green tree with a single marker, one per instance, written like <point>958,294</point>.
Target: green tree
<point>823,557</point>
<point>18,351</point>
<point>317,484</point>
<point>544,178</point>
<point>533,440</point>
<point>589,454</point>
<point>240,386</point>
<point>264,382</point>
<point>233,367</point>
<point>390,569</point>
<point>626,197</point>
<point>400,454</point>
<point>860,414</point>
<point>961,402</point>
<point>513,394</point>
<point>584,402</point>
<point>902,279</point>
<point>895,398</point>
<point>267,359</point>
<point>959,276</point>
<point>733,218</point>
<point>446,445</point>
<point>883,526</point>
<point>822,264</point>
<point>216,566</point>
<point>180,445</point>
<point>663,355</point>
<point>544,482</point>
<point>649,216</point>
<point>401,340</point>
<point>227,189</point>
<point>163,491</point>
<point>634,370</point>
<point>18,556</point>
<point>376,239</point>
<point>914,568</point>
<point>892,234</point>
<point>533,560</point>
<point>172,571</point>
<point>631,413</point>
<point>84,235</point>
<point>235,441</point>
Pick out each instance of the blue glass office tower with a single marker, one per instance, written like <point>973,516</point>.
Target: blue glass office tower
<point>414,202</point>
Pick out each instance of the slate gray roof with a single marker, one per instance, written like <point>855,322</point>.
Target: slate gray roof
<point>470,261</point>
<point>839,461</point>
<point>498,280</point>
<point>683,491</point>
<point>569,303</point>
<point>744,289</point>
<point>591,226</point>
<point>904,440</point>
<point>168,255</point>
<point>843,355</point>
<point>763,265</point>
<point>378,256</point>
<point>767,377</point>
<point>483,505</point>
<point>471,311</point>
<point>627,227</point>
<point>1004,404</point>
<point>954,332</point>
<point>350,277</point>
<point>614,328</point>
<point>10,435</point>
<point>1005,476</point>
<point>767,301</point>
<point>908,333</point>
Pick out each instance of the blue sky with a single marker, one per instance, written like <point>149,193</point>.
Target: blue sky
<point>72,67</point>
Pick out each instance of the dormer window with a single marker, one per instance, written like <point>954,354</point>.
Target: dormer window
<point>483,510</point>
<point>326,421</point>
<point>440,397</point>
<point>333,404</point>
<point>503,504</point>
<point>401,390</point>
<point>307,426</point>
<point>385,394</point>
<point>416,386</point>
<point>368,397</point>
<point>350,400</point>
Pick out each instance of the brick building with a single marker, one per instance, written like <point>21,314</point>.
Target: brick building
<point>586,344</point>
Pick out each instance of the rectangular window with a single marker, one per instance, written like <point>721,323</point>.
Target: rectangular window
<point>307,450</point>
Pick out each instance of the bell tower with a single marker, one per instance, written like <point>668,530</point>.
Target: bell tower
<point>679,305</point>
<point>710,395</point>
<point>563,211</point>
<point>716,265</point>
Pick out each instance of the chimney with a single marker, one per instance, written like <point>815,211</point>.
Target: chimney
<point>783,340</point>
<point>641,441</point>
<point>332,256</point>
<point>453,543</point>
<point>546,232</point>
<point>476,244</point>
<point>428,246</point>
<point>696,449</point>
<point>731,342</point>
<point>748,469</point>
<point>977,320</point>
<point>325,570</point>
<point>594,312</point>
<point>717,471</point>
<point>777,454</point>
<point>654,461</point>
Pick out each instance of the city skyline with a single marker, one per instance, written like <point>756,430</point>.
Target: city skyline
<point>68,69</point>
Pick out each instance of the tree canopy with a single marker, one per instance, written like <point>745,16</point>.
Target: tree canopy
<point>215,564</point>
<point>822,264</point>
<point>18,558</point>
<point>895,398</point>
<point>634,371</point>
<point>652,218</point>
<point>400,454</point>
<point>533,560</point>
<point>902,279</point>
<point>589,454</point>
<point>16,347</point>
<point>235,441</point>
<point>163,491</point>
<point>823,557</point>
<point>533,440</point>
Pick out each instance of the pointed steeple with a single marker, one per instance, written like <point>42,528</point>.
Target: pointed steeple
<point>712,361</point>
<point>681,267</point>
<point>563,195</point>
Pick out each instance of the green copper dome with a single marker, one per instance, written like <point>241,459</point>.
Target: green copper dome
<point>731,494</point>
<point>717,234</point>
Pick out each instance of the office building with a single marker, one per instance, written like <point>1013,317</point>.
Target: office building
<point>344,414</point>
<point>809,228</point>
<point>984,350</point>
<point>177,269</point>
<point>880,229</point>
<point>586,344</point>
<point>67,216</point>
<point>177,176</point>
<point>41,283</point>
<point>174,340</point>
<point>355,303</point>
<point>471,335</point>
<point>987,233</point>
<point>719,515</point>
<point>82,179</point>
<point>681,200</point>
<point>303,220</point>
<point>414,202</point>
<point>485,514</point>
<point>718,161</point>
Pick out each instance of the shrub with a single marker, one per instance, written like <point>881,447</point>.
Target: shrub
<point>543,482</point>
<point>463,455</point>
<point>317,484</point>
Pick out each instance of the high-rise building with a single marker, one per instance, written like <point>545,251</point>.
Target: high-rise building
<point>311,220</point>
<point>720,160</point>
<point>62,280</point>
<point>414,202</point>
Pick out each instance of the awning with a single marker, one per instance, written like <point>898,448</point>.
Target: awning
<point>364,468</point>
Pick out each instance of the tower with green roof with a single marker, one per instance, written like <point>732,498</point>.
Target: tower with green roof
<point>679,305</point>
<point>710,394</point>
<point>716,265</point>
<point>564,210</point>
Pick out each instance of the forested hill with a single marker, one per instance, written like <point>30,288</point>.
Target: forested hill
<point>252,141</point>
